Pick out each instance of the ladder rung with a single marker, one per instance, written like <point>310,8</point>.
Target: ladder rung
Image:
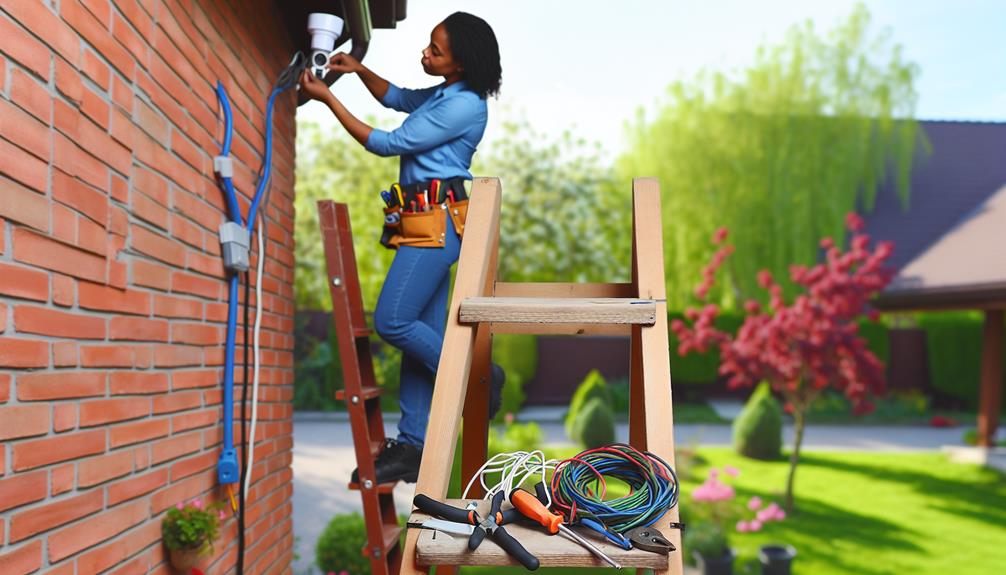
<point>391,534</point>
<point>381,487</point>
<point>558,310</point>
<point>367,392</point>
<point>362,332</point>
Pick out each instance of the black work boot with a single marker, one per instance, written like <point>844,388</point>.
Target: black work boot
<point>497,377</point>
<point>396,462</point>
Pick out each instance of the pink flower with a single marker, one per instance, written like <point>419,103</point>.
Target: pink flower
<point>743,527</point>
<point>222,515</point>
<point>343,572</point>
<point>754,503</point>
<point>198,503</point>
<point>755,525</point>
<point>720,235</point>
<point>854,222</point>
<point>731,471</point>
<point>179,506</point>
<point>508,418</point>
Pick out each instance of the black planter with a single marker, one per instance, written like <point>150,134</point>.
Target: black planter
<point>723,565</point>
<point>776,559</point>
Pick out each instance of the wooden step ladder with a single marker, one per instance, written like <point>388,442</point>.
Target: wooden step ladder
<point>361,393</point>
<point>480,307</point>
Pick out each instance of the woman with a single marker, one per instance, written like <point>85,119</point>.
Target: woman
<point>436,142</point>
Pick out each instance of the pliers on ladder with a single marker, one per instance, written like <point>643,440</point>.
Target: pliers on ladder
<point>491,526</point>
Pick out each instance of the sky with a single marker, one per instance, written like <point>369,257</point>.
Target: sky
<point>589,65</point>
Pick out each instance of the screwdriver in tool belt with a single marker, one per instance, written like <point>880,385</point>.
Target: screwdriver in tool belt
<point>530,507</point>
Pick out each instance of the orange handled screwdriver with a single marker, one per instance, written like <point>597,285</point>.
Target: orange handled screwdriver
<point>530,507</point>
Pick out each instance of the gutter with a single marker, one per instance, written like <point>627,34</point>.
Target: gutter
<point>358,27</point>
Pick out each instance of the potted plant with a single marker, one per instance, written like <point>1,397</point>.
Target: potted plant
<point>708,541</point>
<point>776,559</point>
<point>189,532</point>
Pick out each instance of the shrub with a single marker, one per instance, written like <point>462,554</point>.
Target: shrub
<point>706,539</point>
<point>518,356</point>
<point>758,429</point>
<point>592,386</point>
<point>338,548</point>
<point>595,425</point>
<point>516,437</point>
<point>954,348</point>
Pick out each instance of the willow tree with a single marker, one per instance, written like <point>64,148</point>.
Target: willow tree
<point>779,153</point>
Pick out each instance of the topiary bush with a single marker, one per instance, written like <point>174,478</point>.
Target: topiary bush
<point>595,424</point>
<point>592,386</point>
<point>338,548</point>
<point>517,354</point>
<point>758,429</point>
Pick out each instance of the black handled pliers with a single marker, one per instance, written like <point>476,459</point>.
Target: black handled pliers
<point>491,525</point>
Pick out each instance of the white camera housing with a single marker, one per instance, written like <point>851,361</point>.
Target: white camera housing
<point>324,29</point>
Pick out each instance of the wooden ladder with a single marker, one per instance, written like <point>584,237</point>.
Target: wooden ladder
<point>481,306</point>
<point>361,393</point>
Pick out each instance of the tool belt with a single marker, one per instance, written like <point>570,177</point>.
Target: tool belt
<point>416,215</point>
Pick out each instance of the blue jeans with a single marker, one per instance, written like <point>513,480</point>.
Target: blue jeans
<point>411,315</point>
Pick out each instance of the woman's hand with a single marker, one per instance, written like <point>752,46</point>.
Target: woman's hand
<point>344,63</point>
<point>313,87</point>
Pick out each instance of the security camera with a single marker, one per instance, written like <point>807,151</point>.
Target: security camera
<point>324,29</point>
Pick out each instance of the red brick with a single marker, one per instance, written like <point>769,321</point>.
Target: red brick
<point>95,69</point>
<point>103,468</point>
<point>46,517</point>
<point>68,82</point>
<point>23,489</point>
<point>121,128</point>
<point>157,246</point>
<point>21,47</point>
<point>96,108</point>
<point>85,199</point>
<point>98,297</point>
<point>137,329</point>
<point>23,167</point>
<point>196,333</point>
<point>103,411</point>
<point>193,420</point>
<point>62,479</point>
<point>140,431</point>
<point>152,275</point>
<point>130,40</point>
<point>137,382</point>
<point>98,528</point>
<point>44,321</point>
<point>176,307</point>
<point>24,283</point>
<point>188,488</point>
<point>23,130</point>
<point>62,290</point>
<point>98,36</point>
<point>64,354</point>
<point>3,317</point>
<point>151,184</point>
<point>192,465</point>
<point>120,193</point>
<point>93,238</point>
<point>23,560</point>
<point>122,94</point>
<point>42,22</point>
<point>101,10</point>
<point>4,396</point>
<point>183,282</point>
<point>205,264</point>
<point>184,230</point>
<point>31,248</point>
<point>149,210</point>
<point>132,543</point>
<point>103,149</point>
<point>60,385</point>
<point>107,356</point>
<point>64,224</point>
<point>196,210</point>
<point>175,447</point>
<point>32,96</point>
<point>177,356</point>
<point>177,401</point>
<point>77,162</point>
<point>39,452</point>
<point>23,353</point>
<point>142,455</point>
<point>136,486</point>
<point>144,356</point>
<point>23,421</point>
<point>64,417</point>
<point>186,150</point>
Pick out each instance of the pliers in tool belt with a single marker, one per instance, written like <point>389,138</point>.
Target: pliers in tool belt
<point>491,526</point>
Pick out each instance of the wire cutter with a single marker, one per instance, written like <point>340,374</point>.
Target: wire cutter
<point>491,526</point>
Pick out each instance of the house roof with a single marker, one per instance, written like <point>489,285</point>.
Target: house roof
<point>950,244</point>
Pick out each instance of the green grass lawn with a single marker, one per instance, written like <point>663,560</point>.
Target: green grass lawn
<point>867,513</point>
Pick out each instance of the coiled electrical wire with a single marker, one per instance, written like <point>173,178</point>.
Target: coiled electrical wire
<point>579,487</point>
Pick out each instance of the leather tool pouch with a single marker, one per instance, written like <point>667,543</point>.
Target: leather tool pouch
<point>422,229</point>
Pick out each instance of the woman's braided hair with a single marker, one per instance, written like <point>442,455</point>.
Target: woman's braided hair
<point>474,46</point>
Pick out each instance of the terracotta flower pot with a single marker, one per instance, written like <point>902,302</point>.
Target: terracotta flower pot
<point>185,559</point>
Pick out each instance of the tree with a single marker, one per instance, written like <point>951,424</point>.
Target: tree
<point>779,153</point>
<point>805,347</point>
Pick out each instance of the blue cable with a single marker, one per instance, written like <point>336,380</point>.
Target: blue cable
<point>227,465</point>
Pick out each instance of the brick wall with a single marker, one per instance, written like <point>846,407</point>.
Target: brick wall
<point>112,294</point>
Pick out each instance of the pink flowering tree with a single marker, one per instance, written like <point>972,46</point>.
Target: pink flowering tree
<point>804,347</point>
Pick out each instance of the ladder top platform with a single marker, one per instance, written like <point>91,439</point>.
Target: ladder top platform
<point>598,310</point>
<point>438,548</point>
